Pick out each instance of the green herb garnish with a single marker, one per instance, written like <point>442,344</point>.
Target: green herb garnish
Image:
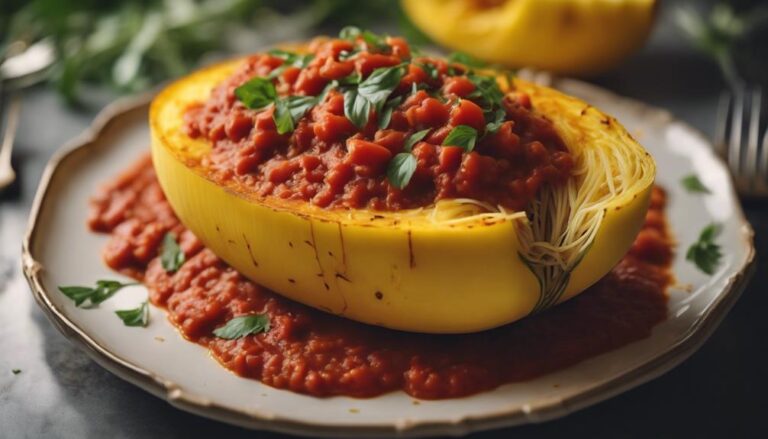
<point>371,93</point>
<point>356,109</point>
<point>256,93</point>
<point>415,138</point>
<point>239,327</point>
<point>466,59</point>
<point>16,371</point>
<point>171,256</point>
<point>463,136</point>
<point>401,169</point>
<point>386,112</point>
<point>494,120</point>
<point>377,87</point>
<point>288,111</point>
<point>135,317</point>
<point>692,184</point>
<point>374,42</point>
<point>704,252</point>
<point>93,295</point>
<point>486,89</point>
<point>430,70</point>
<point>293,59</point>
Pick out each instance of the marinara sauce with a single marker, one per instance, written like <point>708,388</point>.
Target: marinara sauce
<point>329,161</point>
<point>315,353</point>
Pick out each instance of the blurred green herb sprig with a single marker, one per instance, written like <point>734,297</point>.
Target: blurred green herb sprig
<point>133,45</point>
<point>734,33</point>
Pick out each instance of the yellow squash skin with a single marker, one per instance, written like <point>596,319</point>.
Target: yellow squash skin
<point>380,268</point>
<point>563,36</point>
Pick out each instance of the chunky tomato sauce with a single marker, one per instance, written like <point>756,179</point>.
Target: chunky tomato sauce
<point>330,162</point>
<point>309,351</point>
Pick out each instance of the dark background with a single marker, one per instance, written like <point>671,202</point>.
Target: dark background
<point>719,392</point>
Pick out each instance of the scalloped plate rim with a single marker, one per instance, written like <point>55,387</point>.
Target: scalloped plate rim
<point>677,352</point>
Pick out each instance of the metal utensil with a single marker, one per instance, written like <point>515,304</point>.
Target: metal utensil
<point>23,66</point>
<point>740,141</point>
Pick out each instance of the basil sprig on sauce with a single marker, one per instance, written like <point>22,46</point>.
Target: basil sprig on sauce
<point>241,326</point>
<point>371,94</point>
<point>256,93</point>
<point>172,256</point>
<point>463,136</point>
<point>402,166</point>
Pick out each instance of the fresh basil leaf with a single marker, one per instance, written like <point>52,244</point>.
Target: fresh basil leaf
<point>104,290</point>
<point>293,59</point>
<point>135,317</point>
<point>78,294</point>
<point>15,371</point>
<point>430,70</point>
<point>415,138</point>
<point>386,112</point>
<point>486,89</point>
<point>463,136</point>
<point>171,256</point>
<point>377,87</point>
<point>256,93</point>
<point>691,183</point>
<point>347,54</point>
<point>356,108</point>
<point>704,253</point>
<point>288,111</point>
<point>494,120</point>
<point>400,169</point>
<point>350,33</point>
<point>282,117</point>
<point>466,59</point>
<point>239,327</point>
<point>375,43</point>
<point>352,79</point>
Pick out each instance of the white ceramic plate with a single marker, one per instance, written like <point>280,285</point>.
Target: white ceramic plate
<point>59,250</point>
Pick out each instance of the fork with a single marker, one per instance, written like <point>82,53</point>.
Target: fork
<point>738,138</point>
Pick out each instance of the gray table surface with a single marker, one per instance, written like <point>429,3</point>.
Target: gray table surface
<point>720,391</point>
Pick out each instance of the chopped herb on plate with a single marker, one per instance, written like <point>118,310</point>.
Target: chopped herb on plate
<point>135,317</point>
<point>691,183</point>
<point>103,290</point>
<point>704,253</point>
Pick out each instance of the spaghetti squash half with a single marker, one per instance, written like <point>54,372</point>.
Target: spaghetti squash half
<point>226,148</point>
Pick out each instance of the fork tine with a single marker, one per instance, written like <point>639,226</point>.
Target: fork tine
<point>753,141</point>
<point>721,122</point>
<point>763,165</point>
<point>737,119</point>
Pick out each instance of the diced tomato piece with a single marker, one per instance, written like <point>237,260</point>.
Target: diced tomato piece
<point>458,85</point>
<point>391,139</point>
<point>368,62</point>
<point>468,113</point>
<point>362,152</point>
<point>332,128</point>
<point>309,82</point>
<point>450,158</point>
<point>430,113</point>
<point>278,172</point>
<point>399,47</point>
<point>333,69</point>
